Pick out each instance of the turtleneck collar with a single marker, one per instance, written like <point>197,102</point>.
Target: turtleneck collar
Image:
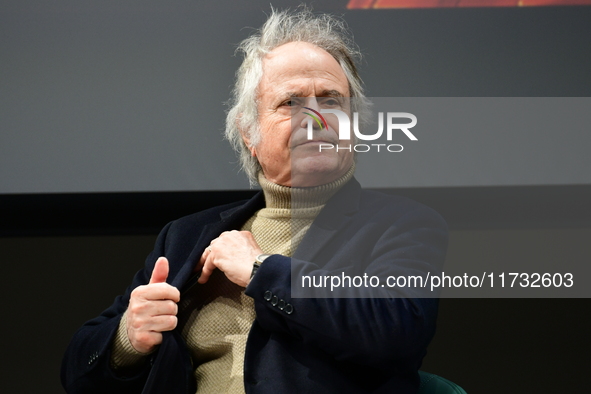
<point>278,196</point>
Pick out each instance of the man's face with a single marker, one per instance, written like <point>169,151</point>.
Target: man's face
<point>297,75</point>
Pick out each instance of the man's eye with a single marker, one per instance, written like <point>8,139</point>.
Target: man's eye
<point>331,102</point>
<point>291,103</point>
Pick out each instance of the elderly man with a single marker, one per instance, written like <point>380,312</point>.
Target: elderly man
<point>207,315</point>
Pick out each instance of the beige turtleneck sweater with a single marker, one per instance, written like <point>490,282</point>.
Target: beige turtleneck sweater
<point>215,318</point>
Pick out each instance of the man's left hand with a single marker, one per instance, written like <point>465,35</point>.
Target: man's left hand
<point>233,253</point>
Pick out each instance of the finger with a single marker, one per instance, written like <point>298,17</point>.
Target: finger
<point>160,272</point>
<point>144,341</point>
<point>206,271</point>
<point>167,307</point>
<point>155,292</point>
<point>160,323</point>
<point>202,259</point>
<point>157,308</point>
<point>159,291</point>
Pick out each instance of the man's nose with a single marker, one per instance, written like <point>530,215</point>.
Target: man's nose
<point>312,102</point>
<point>310,118</point>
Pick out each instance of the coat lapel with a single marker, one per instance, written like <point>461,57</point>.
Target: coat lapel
<point>335,215</point>
<point>230,219</point>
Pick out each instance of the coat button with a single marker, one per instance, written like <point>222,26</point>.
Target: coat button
<point>267,296</point>
<point>274,300</point>
<point>288,309</point>
<point>281,305</point>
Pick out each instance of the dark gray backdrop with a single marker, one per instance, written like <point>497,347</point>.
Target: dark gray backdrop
<point>122,97</point>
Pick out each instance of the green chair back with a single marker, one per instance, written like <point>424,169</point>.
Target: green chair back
<point>433,384</point>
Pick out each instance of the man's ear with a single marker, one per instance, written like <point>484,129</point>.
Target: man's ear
<point>246,138</point>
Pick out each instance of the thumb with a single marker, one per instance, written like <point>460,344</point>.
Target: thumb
<point>160,272</point>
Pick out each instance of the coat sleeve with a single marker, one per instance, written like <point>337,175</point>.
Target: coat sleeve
<point>385,328</point>
<point>86,364</point>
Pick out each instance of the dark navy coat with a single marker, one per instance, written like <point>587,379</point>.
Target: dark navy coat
<point>372,343</point>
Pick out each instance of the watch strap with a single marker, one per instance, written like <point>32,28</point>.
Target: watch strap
<point>257,263</point>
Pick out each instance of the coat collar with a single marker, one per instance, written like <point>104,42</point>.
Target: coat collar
<point>230,219</point>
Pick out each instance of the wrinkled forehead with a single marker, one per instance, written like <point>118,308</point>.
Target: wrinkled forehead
<point>302,70</point>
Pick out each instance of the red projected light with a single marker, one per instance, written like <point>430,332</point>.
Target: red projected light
<point>363,4</point>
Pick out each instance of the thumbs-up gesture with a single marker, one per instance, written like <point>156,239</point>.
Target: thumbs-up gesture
<point>152,309</point>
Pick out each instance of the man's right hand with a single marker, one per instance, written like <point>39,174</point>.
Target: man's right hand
<point>152,309</point>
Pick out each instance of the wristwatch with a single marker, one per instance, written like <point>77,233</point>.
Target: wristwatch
<point>257,263</point>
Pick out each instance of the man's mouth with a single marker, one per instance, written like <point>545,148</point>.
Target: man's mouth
<point>318,139</point>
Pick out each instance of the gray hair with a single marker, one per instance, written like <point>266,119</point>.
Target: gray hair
<point>323,30</point>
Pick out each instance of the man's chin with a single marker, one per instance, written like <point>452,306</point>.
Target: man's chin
<point>316,170</point>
